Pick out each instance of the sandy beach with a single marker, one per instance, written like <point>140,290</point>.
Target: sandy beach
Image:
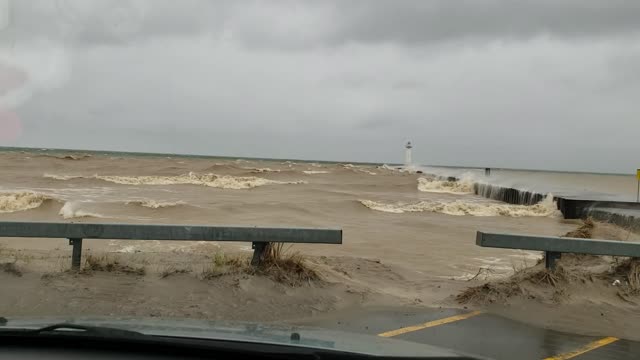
<point>409,241</point>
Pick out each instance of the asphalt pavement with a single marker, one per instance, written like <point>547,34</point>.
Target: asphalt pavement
<point>477,333</point>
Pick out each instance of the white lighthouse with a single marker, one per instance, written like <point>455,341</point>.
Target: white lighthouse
<point>407,153</point>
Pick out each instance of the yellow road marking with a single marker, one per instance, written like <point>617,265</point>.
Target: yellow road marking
<point>590,346</point>
<point>429,324</point>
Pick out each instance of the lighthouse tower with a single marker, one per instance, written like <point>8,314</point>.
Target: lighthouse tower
<point>407,153</point>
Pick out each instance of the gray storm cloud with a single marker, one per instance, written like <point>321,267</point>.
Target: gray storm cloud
<point>535,84</point>
<point>317,23</point>
<point>427,21</point>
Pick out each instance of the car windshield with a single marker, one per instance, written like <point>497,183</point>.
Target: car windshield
<point>459,174</point>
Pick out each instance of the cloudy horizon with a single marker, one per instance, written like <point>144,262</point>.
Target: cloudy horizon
<point>517,84</point>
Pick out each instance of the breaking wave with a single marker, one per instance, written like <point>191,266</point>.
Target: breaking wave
<point>400,169</point>
<point>65,177</point>
<point>546,207</point>
<point>20,201</point>
<point>210,180</point>
<point>360,169</point>
<point>70,211</point>
<point>386,167</point>
<point>367,172</point>
<point>261,170</point>
<point>153,204</point>
<point>462,186</point>
<point>67,156</point>
<point>222,167</point>
<point>311,172</point>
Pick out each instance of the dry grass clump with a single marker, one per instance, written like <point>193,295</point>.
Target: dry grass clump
<point>585,231</point>
<point>278,263</point>
<point>173,270</point>
<point>283,265</point>
<point>546,276</point>
<point>224,264</point>
<point>109,264</point>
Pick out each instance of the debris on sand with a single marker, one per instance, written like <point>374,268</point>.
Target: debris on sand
<point>11,268</point>
<point>490,292</point>
<point>533,282</point>
<point>619,277</point>
<point>628,270</point>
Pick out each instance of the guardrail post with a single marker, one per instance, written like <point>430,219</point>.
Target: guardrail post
<point>76,255</point>
<point>550,258</point>
<point>259,252</point>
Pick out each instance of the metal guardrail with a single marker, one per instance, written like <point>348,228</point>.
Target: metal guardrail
<point>555,246</point>
<point>258,236</point>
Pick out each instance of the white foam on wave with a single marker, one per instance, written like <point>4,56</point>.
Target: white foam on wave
<point>400,169</point>
<point>21,201</point>
<point>153,204</point>
<point>546,207</point>
<point>261,170</point>
<point>70,210</point>
<point>311,172</point>
<point>367,172</point>
<point>386,167</point>
<point>210,180</point>
<point>362,169</point>
<point>63,177</point>
<point>462,186</point>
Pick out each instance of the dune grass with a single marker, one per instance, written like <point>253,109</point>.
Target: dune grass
<point>284,265</point>
<point>107,263</point>
<point>171,270</point>
<point>279,263</point>
<point>224,264</point>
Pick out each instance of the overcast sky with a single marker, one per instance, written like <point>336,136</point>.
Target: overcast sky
<point>528,84</point>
